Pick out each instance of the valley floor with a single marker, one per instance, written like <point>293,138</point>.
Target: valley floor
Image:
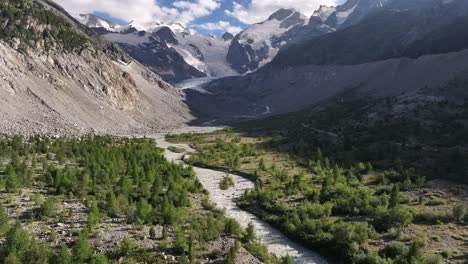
<point>289,193</point>
<point>276,242</point>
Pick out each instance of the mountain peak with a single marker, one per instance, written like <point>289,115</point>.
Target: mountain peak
<point>284,13</point>
<point>324,12</point>
<point>227,36</point>
<point>93,21</point>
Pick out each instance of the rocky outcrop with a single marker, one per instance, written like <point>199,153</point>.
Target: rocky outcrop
<point>86,93</point>
<point>227,36</point>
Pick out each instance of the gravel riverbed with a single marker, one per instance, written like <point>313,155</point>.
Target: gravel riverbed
<point>276,242</point>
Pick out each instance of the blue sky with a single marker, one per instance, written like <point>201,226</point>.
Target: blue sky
<point>203,16</point>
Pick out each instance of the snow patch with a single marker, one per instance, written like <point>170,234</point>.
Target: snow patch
<point>324,12</point>
<point>343,16</point>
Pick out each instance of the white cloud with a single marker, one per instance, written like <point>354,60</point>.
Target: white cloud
<point>143,11</point>
<point>260,10</point>
<point>221,26</point>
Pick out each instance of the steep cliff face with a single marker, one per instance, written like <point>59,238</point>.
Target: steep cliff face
<point>57,78</point>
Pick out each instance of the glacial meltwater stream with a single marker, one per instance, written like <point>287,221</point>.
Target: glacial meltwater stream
<point>276,242</point>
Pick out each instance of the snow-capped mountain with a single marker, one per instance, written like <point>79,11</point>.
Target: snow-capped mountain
<point>349,13</point>
<point>93,21</point>
<point>259,44</point>
<point>330,19</point>
<point>177,54</point>
<point>170,50</point>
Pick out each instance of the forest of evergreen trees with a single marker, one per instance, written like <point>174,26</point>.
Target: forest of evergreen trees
<point>127,179</point>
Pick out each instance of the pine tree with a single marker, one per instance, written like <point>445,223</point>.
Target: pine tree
<point>231,255</point>
<point>81,248</point>
<point>180,243</point>
<point>53,235</point>
<point>395,196</point>
<point>319,155</point>
<point>3,220</point>
<point>152,233</point>
<point>93,216</point>
<point>192,255</point>
<point>232,227</point>
<point>64,256</point>
<point>250,233</point>
<point>128,246</point>
<point>165,233</point>
<point>261,165</point>
<point>144,210</point>
<point>112,205</point>
<point>415,251</point>
<point>212,232</point>
<point>12,183</point>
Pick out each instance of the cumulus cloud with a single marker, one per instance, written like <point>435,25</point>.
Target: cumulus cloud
<point>221,26</point>
<point>260,10</point>
<point>143,11</point>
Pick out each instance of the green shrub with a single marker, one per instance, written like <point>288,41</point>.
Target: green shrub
<point>176,149</point>
<point>395,249</point>
<point>433,259</point>
<point>226,183</point>
<point>459,212</point>
<point>259,251</point>
<point>128,247</point>
<point>385,219</point>
<point>436,201</point>
<point>432,218</point>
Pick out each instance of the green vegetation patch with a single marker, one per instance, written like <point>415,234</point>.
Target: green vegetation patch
<point>176,149</point>
<point>354,213</point>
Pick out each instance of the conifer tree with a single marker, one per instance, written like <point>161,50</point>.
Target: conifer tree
<point>191,252</point>
<point>250,235</point>
<point>64,256</point>
<point>81,248</point>
<point>180,243</point>
<point>395,196</point>
<point>93,216</point>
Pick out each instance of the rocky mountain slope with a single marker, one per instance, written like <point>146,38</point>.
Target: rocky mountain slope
<point>424,47</point>
<point>274,90</point>
<point>412,29</point>
<point>58,78</point>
